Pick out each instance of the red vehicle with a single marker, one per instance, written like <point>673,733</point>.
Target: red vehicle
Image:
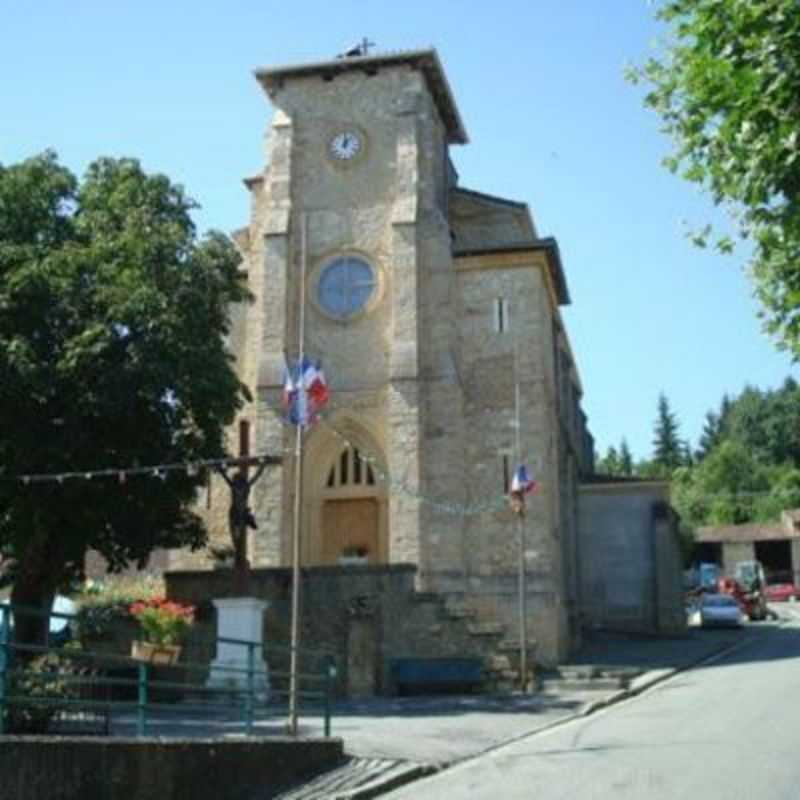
<point>747,586</point>
<point>782,592</point>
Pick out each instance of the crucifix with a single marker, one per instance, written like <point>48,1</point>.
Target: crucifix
<point>240,516</point>
<point>357,50</point>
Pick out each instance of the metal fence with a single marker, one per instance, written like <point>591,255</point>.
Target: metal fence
<point>63,687</point>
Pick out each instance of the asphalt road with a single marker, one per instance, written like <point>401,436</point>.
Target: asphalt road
<point>725,731</point>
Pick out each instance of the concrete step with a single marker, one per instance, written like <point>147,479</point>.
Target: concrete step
<point>454,611</point>
<point>358,777</point>
<point>587,685</point>
<point>497,663</point>
<point>426,597</point>
<point>555,683</point>
<point>486,628</point>
<point>512,646</point>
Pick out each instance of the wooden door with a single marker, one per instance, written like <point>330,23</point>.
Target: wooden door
<point>350,526</point>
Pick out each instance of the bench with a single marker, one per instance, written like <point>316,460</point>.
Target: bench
<point>431,675</point>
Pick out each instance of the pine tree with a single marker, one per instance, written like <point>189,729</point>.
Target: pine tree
<point>625,458</point>
<point>667,445</point>
<point>711,435</point>
<point>609,464</point>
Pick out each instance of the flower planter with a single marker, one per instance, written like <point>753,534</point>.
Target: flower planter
<point>158,654</point>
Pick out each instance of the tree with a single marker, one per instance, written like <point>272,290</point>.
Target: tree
<point>609,464</point>
<point>668,449</point>
<point>625,458</point>
<point>725,87</point>
<point>722,489</point>
<point>112,318</point>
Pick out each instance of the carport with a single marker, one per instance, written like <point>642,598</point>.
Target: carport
<point>775,544</point>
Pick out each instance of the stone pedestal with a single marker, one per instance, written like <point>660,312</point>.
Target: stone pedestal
<point>239,618</point>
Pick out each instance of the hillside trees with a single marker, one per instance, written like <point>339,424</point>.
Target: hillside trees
<point>112,318</point>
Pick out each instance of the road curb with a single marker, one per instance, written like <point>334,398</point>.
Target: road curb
<point>643,683</point>
<point>646,681</point>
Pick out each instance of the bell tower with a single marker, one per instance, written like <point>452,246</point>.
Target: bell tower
<point>355,195</point>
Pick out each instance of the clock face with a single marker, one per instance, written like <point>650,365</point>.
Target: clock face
<point>345,145</point>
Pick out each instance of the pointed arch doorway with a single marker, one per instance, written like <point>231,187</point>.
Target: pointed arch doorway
<point>350,506</point>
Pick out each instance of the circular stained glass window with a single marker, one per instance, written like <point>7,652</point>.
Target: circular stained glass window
<point>346,286</point>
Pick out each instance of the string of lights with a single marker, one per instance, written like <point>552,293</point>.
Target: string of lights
<point>121,474</point>
<point>495,503</point>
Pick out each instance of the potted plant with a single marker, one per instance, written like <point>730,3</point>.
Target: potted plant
<point>164,623</point>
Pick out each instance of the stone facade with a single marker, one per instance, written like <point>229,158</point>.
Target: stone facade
<point>465,306</point>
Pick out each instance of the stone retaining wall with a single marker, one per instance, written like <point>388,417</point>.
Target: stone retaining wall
<point>62,768</point>
<point>365,615</point>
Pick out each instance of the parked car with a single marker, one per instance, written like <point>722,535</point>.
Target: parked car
<point>714,610</point>
<point>60,630</point>
<point>782,592</point>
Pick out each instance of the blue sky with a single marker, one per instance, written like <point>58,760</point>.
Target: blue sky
<point>551,121</point>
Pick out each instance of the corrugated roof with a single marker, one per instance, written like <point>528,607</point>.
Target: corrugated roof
<point>427,60</point>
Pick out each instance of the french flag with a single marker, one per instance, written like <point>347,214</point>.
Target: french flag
<point>315,384</point>
<point>305,391</point>
<point>522,483</point>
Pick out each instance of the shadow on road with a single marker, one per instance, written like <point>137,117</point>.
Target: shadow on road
<point>450,705</point>
<point>761,641</point>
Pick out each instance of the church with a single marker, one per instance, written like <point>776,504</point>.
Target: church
<point>434,310</point>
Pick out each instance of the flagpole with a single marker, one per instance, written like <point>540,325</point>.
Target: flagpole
<point>523,632</point>
<point>298,482</point>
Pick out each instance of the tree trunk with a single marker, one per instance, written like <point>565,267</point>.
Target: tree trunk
<point>35,584</point>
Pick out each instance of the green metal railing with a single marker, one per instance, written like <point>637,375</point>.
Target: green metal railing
<point>115,686</point>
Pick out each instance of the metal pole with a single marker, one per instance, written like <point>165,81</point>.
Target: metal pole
<point>141,706</point>
<point>248,720</point>
<point>523,632</point>
<point>329,674</point>
<point>298,482</point>
<point>5,610</point>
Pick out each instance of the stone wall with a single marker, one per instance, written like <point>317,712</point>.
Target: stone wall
<point>64,768</point>
<point>629,558</point>
<point>340,605</point>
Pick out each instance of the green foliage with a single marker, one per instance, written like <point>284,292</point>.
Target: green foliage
<point>616,462</point>
<point>726,88</point>
<point>38,689</point>
<point>112,320</point>
<point>609,463</point>
<point>103,605</point>
<point>721,489</point>
<point>669,452</point>
<point>625,459</point>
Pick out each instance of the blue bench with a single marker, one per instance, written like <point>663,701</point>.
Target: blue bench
<point>430,675</point>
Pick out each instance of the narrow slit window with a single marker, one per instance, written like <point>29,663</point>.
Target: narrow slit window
<point>506,474</point>
<point>332,478</point>
<point>343,467</point>
<point>356,466</point>
<point>370,476</point>
<point>501,317</point>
